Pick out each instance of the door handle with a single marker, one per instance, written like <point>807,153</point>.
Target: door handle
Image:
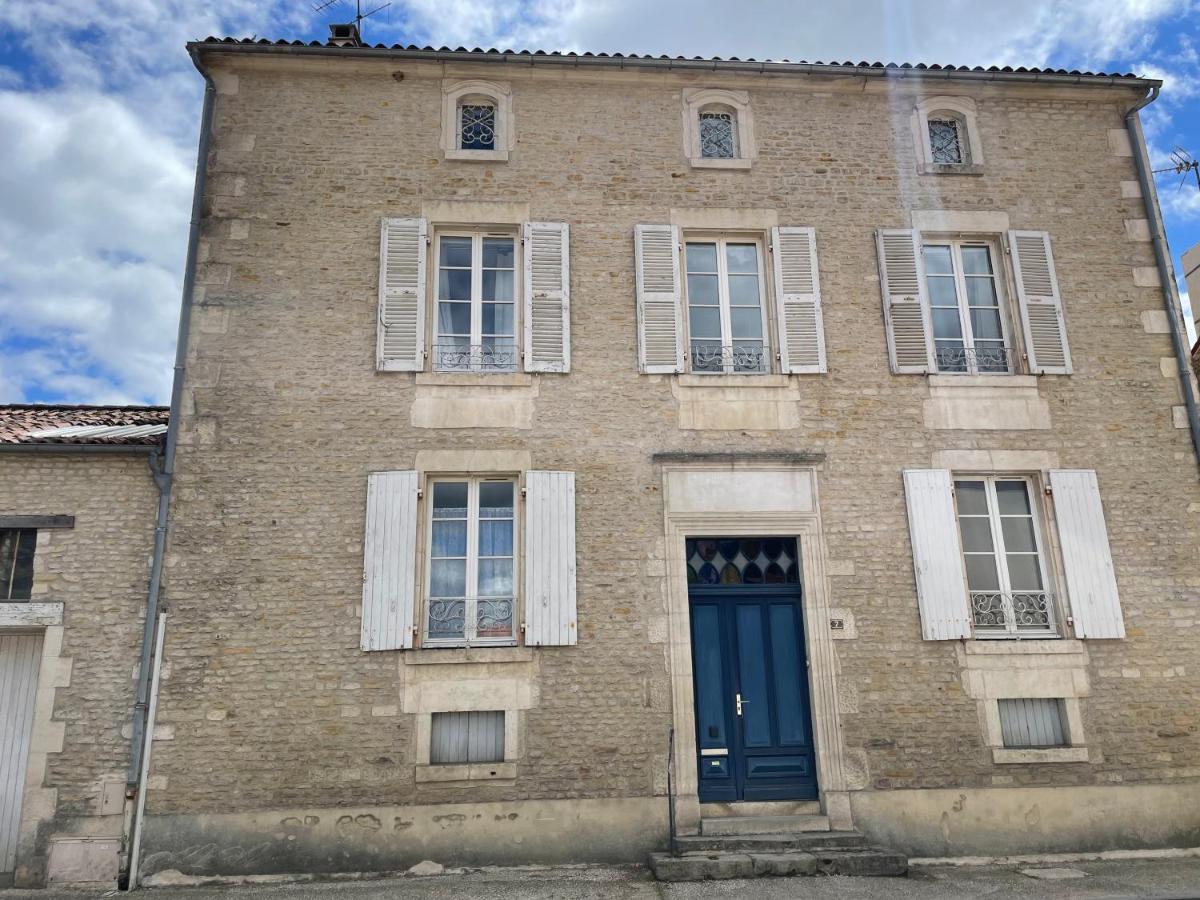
<point>740,701</point>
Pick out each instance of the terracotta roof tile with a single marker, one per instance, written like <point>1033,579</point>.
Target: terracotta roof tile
<point>22,423</point>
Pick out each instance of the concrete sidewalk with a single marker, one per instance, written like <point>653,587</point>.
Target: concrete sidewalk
<point>1160,879</point>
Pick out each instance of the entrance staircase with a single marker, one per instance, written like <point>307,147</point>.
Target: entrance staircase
<point>751,840</point>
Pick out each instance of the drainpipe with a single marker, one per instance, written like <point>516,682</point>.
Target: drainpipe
<point>163,469</point>
<point>1162,258</point>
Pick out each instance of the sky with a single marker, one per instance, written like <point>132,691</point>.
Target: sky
<point>100,107</point>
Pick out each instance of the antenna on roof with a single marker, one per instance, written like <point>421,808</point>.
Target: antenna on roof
<point>348,34</point>
<point>1184,162</point>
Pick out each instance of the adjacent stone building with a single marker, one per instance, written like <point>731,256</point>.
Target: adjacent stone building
<point>570,443</point>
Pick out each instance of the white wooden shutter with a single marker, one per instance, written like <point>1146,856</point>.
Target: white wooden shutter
<point>402,254</point>
<point>1040,303</point>
<point>547,297</point>
<point>550,559</point>
<point>937,555</point>
<point>659,307</point>
<point>798,299</point>
<point>1087,559</point>
<point>905,303</point>
<point>389,561</point>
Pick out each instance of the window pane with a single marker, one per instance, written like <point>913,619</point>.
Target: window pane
<point>743,290</point>
<point>946,323</point>
<point>454,318</point>
<point>498,354</point>
<point>497,319</point>
<point>495,578</point>
<point>981,573</point>
<point>707,356</point>
<point>971,498</point>
<point>937,260</point>
<point>1018,534</point>
<point>450,500</point>
<point>495,537</point>
<point>944,141</point>
<point>981,291</point>
<point>742,258</point>
<point>494,618</point>
<point>8,553</point>
<point>498,253</point>
<point>976,261</point>
<point>497,285</point>
<point>456,251</point>
<point>702,289</point>
<point>454,284</point>
<point>746,322</point>
<point>942,292</point>
<point>702,257</point>
<point>749,356</point>
<point>447,618</point>
<point>1013,498</point>
<point>1023,572</point>
<point>985,325</point>
<point>976,534</point>
<point>448,578</point>
<point>449,538</point>
<point>478,124</point>
<point>496,500</point>
<point>22,583</point>
<point>705,322</point>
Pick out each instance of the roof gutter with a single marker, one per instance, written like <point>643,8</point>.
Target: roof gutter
<point>671,64</point>
<point>79,448</point>
<point>1162,258</point>
<point>163,468</point>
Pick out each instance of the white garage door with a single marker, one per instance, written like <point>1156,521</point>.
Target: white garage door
<point>19,658</point>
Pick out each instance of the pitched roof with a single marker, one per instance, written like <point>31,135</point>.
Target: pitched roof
<point>732,63</point>
<point>35,423</point>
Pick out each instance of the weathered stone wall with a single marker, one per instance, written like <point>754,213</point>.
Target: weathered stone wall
<point>273,704</point>
<point>98,570</point>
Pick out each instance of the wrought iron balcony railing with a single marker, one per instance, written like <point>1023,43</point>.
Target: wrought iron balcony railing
<point>707,356</point>
<point>475,357</point>
<point>984,360</point>
<point>1012,613</point>
<point>458,620</point>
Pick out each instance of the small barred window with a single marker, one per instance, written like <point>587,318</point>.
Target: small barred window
<point>477,127</point>
<point>945,142</point>
<point>718,135</point>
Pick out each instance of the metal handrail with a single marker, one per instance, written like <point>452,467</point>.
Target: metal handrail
<point>673,846</point>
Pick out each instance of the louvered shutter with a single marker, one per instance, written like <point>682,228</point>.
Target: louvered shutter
<point>1040,303</point>
<point>547,297</point>
<point>1087,559</point>
<point>389,561</point>
<point>798,298</point>
<point>402,253</point>
<point>660,314</point>
<point>937,555</point>
<point>905,304</point>
<point>550,559</point>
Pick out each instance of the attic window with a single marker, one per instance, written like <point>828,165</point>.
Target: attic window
<point>718,134</point>
<point>945,141</point>
<point>477,121</point>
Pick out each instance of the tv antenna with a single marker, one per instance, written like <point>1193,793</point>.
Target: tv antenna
<point>359,15</point>
<point>1184,163</point>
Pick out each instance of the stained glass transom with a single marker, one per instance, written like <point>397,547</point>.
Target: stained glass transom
<point>478,127</point>
<point>765,561</point>
<point>945,142</point>
<point>716,135</point>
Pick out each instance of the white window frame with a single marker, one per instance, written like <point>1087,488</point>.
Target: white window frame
<point>956,244</point>
<point>1000,557</point>
<point>737,103</point>
<point>477,236</point>
<point>455,95</point>
<point>471,601</point>
<point>961,109</point>
<point>722,239</point>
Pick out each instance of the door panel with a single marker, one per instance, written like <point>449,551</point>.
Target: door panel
<point>712,715</point>
<point>752,677</point>
<point>20,655</point>
<point>790,705</point>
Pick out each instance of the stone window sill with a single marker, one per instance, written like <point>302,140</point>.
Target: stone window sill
<point>1023,382</point>
<point>747,381</point>
<point>501,771</point>
<point>1044,755</point>
<point>478,155</point>
<point>452,655</point>
<point>476,379</point>
<point>1025,646</point>
<point>704,162</point>
<point>943,169</point>
<point>30,615</point>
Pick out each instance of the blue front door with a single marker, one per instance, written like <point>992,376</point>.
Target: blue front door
<point>753,728</point>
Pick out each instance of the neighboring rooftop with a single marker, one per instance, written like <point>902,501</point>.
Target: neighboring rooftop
<point>412,51</point>
<point>35,423</point>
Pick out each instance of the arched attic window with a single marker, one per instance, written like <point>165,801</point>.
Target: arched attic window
<point>718,129</point>
<point>946,136</point>
<point>477,122</point>
<point>948,144</point>
<point>718,132</point>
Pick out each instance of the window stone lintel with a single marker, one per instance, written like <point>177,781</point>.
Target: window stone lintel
<point>21,614</point>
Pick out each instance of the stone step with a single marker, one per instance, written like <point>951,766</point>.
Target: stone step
<point>769,843</point>
<point>763,824</point>
<point>761,808</point>
<point>718,865</point>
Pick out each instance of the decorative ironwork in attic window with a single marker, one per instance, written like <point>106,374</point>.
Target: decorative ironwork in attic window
<point>717,136</point>
<point>477,127</point>
<point>945,142</point>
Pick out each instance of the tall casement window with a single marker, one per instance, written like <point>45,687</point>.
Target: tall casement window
<point>969,327</point>
<point>476,303</point>
<point>471,560</point>
<point>727,319</point>
<point>1003,556</point>
<point>947,139</point>
<point>17,547</point>
<point>476,125</point>
<point>718,133</point>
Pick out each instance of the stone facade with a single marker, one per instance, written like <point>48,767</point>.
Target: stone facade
<point>293,748</point>
<point>88,598</point>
